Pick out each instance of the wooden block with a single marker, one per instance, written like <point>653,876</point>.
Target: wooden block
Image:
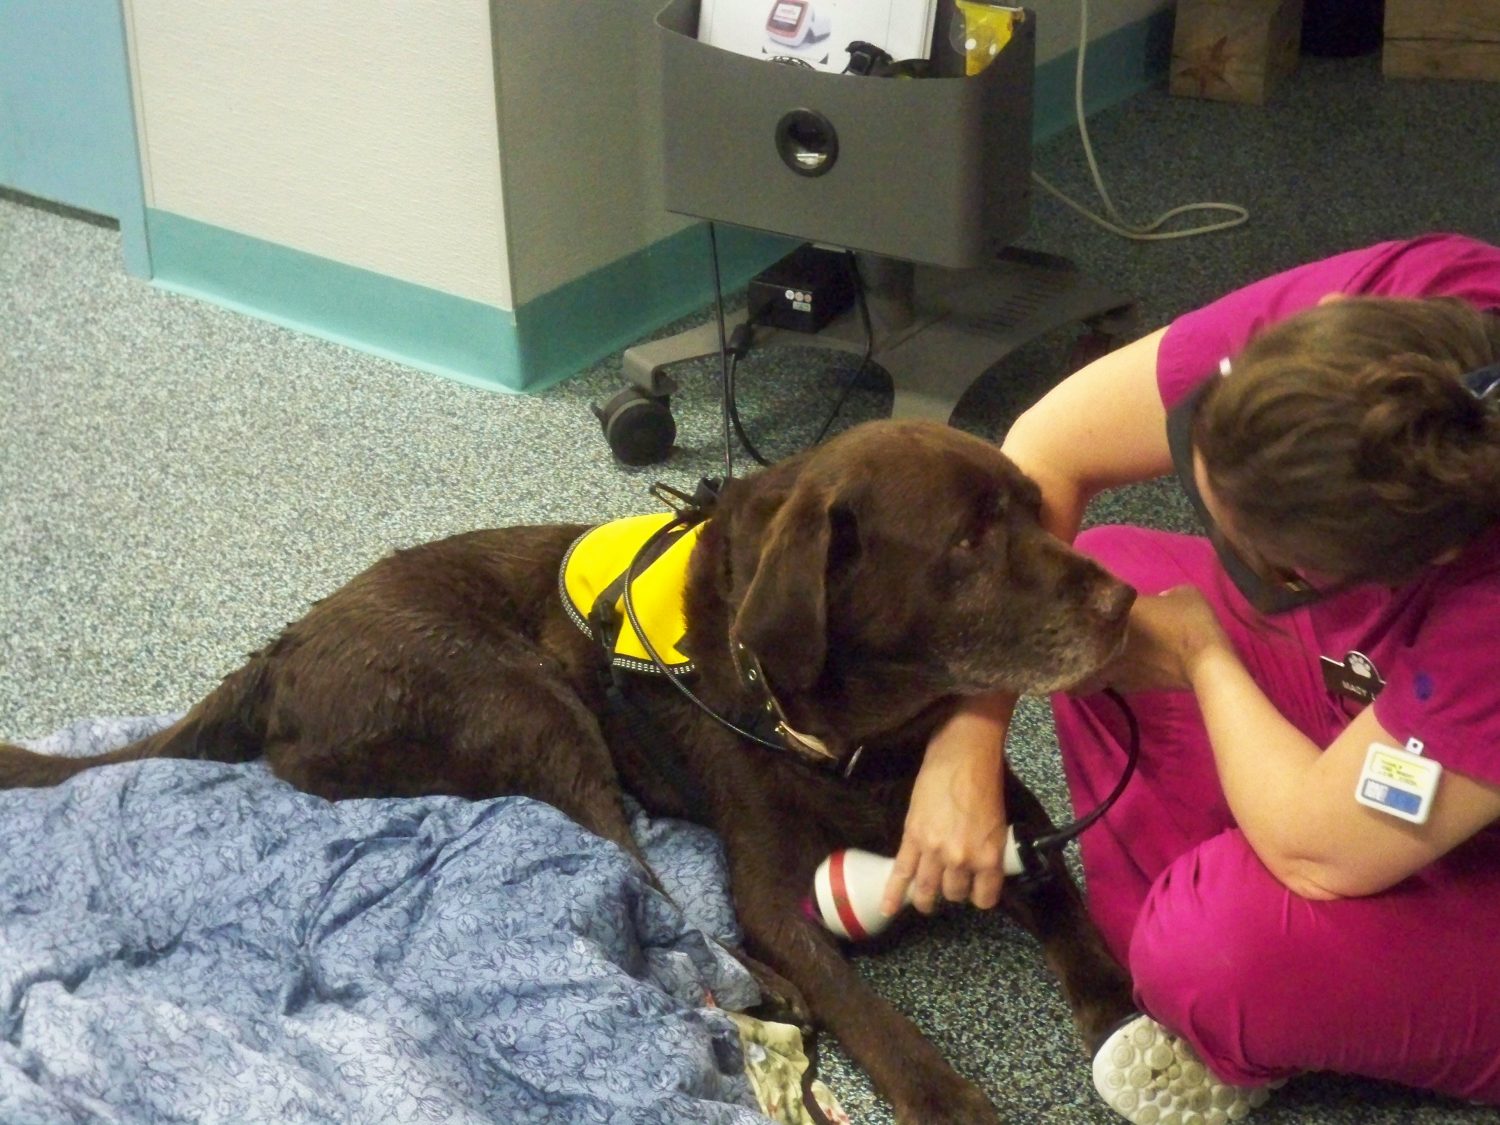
<point>1469,21</point>
<point>1442,39</point>
<point>1434,58</point>
<point>1234,50</point>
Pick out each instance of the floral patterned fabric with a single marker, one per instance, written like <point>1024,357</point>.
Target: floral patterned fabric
<point>192,941</point>
<point>778,1070</point>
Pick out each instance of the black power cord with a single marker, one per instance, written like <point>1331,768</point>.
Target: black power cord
<point>726,370</point>
<point>740,342</point>
<point>864,315</point>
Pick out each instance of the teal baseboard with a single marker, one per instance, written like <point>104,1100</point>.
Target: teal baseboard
<point>538,344</point>
<point>551,337</point>
<point>1117,66</point>
<point>412,324</point>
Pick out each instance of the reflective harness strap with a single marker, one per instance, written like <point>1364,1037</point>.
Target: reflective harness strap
<point>604,623</point>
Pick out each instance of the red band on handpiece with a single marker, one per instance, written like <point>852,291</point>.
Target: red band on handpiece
<point>841,897</point>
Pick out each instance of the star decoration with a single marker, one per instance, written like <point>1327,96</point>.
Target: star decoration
<point>1207,66</point>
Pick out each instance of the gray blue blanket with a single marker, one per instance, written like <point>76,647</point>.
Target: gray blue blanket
<point>195,942</point>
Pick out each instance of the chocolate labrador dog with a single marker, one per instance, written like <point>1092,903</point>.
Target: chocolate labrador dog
<point>851,593</point>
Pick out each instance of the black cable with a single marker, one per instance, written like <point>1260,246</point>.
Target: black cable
<point>683,520</point>
<point>734,415</point>
<point>726,405</point>
<point>1056,840</point>
<point>739,345</point>
<point>864,315</point>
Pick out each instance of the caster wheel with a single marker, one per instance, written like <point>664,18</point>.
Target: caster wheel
<point>639,426</point>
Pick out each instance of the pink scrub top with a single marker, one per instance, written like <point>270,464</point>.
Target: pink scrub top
<point>1432,646</point>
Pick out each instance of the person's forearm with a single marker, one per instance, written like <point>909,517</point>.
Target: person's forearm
<point>1102,426</point>
<point>976,730</point>
<point>994,709</point>
<point>1062,514</point>
<point>953,841</point>
<point>1264,766</point>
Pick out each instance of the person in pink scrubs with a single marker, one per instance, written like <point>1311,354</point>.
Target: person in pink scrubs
<point>1304,873</point>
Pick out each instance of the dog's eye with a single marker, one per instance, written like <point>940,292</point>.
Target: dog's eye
<point>972,536</point>
<point>985,515</point>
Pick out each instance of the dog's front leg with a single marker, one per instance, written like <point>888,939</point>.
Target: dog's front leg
<point>904,1067</point>
<point>1052,910</point>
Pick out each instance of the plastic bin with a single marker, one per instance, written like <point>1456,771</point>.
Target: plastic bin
<point>930,170</point>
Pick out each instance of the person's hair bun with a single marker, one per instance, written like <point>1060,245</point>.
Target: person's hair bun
<point>1424,434</point>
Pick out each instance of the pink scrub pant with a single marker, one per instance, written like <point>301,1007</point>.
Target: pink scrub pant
<point>1402,986</point>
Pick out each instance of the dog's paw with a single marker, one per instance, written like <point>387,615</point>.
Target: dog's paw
<point>1099,1008</point>
<point>780,1000</point>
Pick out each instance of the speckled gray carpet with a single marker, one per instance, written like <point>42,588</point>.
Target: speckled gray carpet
<point>178,480</point>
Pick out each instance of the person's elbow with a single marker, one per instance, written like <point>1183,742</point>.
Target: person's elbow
<point>1307,881</point>
<point>1322,880</point>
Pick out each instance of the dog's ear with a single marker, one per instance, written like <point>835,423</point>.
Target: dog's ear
<point>783,617</point>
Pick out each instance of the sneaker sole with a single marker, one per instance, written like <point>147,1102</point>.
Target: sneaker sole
<point>1151,1077</point>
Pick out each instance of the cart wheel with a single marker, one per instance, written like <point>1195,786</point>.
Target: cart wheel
<point>638,426</point>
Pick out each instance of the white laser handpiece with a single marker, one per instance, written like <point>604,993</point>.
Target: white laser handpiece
<point>848,886</point>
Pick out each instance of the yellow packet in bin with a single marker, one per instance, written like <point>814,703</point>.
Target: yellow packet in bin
<point>985,29</point>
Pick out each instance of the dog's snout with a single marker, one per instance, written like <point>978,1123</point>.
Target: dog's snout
<point>1112,600</point>
<point>1094,590</point>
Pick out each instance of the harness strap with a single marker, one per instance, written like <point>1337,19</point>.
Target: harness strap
<point>604,620</point>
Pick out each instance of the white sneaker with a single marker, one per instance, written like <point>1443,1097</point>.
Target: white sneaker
<point>1151,1077</point>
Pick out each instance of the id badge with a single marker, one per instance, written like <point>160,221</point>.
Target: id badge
<point>1399,782</point>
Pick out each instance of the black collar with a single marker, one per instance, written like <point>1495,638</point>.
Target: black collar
<point>771,721</point>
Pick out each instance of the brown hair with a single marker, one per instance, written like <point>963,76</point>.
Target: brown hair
<point>1345,437</point>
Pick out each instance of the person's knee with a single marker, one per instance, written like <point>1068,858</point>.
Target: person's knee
<point>1106,542</point>
<point>1189,955</point>
<point>1148,559</point>
<point>1209,959</point>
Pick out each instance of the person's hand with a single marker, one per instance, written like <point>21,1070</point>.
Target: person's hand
<point>954,840</point>
<point>1168,634</point>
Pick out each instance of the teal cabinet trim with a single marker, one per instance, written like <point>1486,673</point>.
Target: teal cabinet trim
<point>1122,63</point>
<point>574,325</point>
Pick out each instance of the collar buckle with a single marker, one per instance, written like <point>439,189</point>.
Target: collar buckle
<point>806,746</point>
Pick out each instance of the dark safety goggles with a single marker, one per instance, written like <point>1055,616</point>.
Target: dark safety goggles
<point>1267,594</point>
<point>1485,384</point>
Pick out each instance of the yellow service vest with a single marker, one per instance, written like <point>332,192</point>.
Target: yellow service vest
<point>597,561</point>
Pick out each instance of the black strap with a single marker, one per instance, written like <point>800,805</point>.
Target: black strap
<point>604,620</point>
<point>656,747</point>
<point>1268,597</point>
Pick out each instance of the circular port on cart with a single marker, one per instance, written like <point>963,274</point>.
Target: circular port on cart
<point>807,142</point>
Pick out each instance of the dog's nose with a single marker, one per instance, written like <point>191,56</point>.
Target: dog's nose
<point>1112,600</point>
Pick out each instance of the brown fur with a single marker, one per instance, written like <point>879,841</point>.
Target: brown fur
<point>878,577</point>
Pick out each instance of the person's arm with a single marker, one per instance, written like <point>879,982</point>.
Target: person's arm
<point>1101,427</point>
<point>1294,800</point>
<point>953,842</point>
<point>1104,425</point>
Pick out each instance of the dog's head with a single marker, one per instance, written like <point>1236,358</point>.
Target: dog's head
<point>901,564</point>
